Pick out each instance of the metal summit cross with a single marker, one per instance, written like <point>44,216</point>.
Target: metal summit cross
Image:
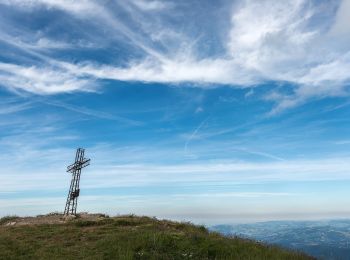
<point>75,169</point>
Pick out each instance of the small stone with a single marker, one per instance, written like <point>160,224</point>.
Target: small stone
<point>69,217</point>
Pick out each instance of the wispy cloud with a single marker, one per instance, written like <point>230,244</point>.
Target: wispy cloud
<point>14,107</point>
<point>108,173</point>
<point>93,113</point>
<point>150,5</point>
<point>42,80</point>
<point>194,133</point>
<point>284,41</point>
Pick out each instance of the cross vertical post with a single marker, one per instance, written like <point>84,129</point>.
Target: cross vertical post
<point>75,169</point>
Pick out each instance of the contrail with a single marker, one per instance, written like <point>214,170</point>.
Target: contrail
<point>194,133</point>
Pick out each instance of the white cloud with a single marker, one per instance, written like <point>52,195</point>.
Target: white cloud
<point>147,5</point>
<point>278,40</point>
<point>171,71</point>
<point>196,199</point>
<point>44,43</point>
<point>267,40</point>
<point>266,34</point>
<point>94,113</point>
<point>195,187</point>
<point>341,24</point>
<point>67,5</point>
<point>14,107</point>
<point>41,80</point>
<point>103,174</point>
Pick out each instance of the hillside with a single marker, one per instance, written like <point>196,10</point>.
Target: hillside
<point>95,236</point>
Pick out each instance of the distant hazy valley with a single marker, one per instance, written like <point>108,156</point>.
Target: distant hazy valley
<point>322,239</point>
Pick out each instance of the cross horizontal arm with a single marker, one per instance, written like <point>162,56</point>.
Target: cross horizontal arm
<point>78,165</point>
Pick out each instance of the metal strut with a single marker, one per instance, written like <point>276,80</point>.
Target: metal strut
<point>75,169</point>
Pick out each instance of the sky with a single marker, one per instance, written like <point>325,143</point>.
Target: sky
<point>205,111</point>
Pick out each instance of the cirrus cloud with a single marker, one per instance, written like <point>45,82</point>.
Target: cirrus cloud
<point>301,43</point>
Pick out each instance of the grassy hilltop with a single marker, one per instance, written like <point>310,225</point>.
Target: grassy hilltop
<point>125,237</point>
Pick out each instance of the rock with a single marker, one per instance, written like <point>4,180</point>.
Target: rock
<point>69,217</point>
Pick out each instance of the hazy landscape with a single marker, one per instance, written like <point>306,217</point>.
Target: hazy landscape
<point>322,239</point>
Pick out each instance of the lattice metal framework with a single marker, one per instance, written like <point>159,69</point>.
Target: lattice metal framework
<point>75,169</point>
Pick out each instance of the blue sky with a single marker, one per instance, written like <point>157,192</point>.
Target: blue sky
<point>208,111</point>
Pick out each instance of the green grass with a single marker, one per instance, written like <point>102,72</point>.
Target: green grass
<point>129,237</point>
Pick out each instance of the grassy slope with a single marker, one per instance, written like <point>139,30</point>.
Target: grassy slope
<point>129,237</point>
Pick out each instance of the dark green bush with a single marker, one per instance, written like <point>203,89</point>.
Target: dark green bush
<point>7,219</point>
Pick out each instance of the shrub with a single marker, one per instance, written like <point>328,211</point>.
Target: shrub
<point>7,219</point>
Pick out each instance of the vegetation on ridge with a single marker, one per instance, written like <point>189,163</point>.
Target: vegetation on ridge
<point>128,237</point>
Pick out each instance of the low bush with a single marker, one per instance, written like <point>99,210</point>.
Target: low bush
<point>7,219</point>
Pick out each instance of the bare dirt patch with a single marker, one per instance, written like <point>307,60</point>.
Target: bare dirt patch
<point>52,218</point>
